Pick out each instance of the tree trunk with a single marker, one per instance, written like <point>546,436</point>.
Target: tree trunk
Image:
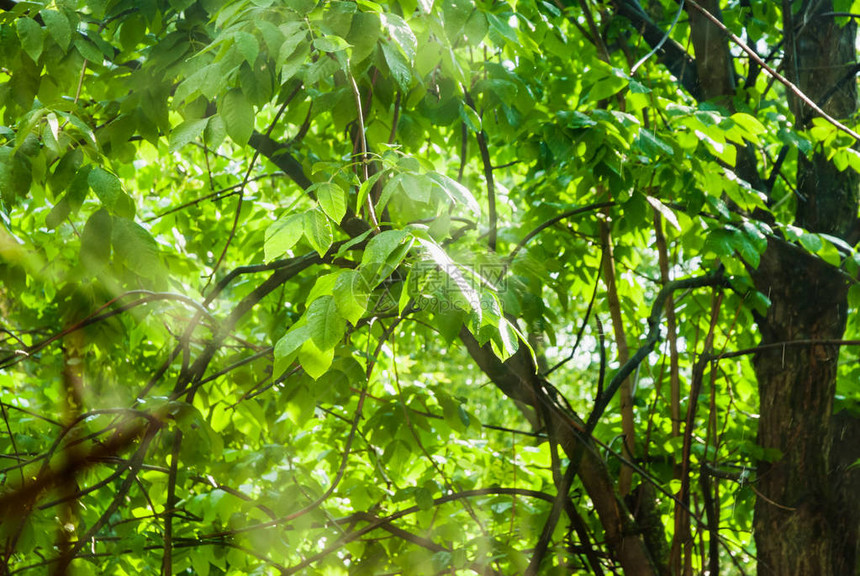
<point>796,531</point>
<point>845,486</point>
<point>796,389</point>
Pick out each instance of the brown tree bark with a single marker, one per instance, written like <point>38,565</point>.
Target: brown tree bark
<point>796,388</point>
<point>796,530</point>
<point>714,70</point>
<point>845,486</point>
<point>628,424</point>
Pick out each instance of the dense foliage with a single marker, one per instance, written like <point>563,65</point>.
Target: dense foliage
<point>395,287</point>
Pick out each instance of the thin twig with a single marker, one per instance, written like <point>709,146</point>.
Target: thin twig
<point>245,180</point>
<point>214,196</point>
<point>653,336</point>
<point>170,507</point>
<point>481,138</point>
<point>553,221</point>
<point>659,44</point>
<point>584,319</point>
<point>362,139</point>
<point>774,74</point>
<point>395,119</point>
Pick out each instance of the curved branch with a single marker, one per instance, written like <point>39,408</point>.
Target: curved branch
<point>556,220</point>
<point>671,54</point>
<point>651,340</point>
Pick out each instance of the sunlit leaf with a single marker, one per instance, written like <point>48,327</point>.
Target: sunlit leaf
<point>317,230</point>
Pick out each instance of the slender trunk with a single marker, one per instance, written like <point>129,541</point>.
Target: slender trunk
<point>73,388</point>
<point>628,425</point>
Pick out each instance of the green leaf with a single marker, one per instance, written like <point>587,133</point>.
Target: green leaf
<point>30,34</point>
<point>722,150</point>
<point>283,235</point>
<point>289,59</point>
<point>313,360</point>
<point>215,131</point>
<point>470,117</point>
<point>272,36</point>
<point>88,49</point>
<point>186,133</point>
<point>238,116</point>
<point>380,247</point>
<point>132,33</point>
<point>398,66</point>
<point>747,250</point>
<point>458,193</point>
<point>84,128</point>
<point>811,242</point>
<point>200,560</point>
<point>107,187</point>
<point>452,270</point>
<point>325,324</point>
<point>318,231</point>
<point>418,187</point>
<point>651,145</point>
<point>424,498</point>
<point>388,190</point>
<point>750,124</point>
<point>607,82</point>
<point>351,294</point>
<point>402,34</point>
<point>365,189</point>
<point>363,35</point>
<point>247,45</point>
<point>15,175</point>
<point>58,213</point>
<point>323,286</point>
<point>664,211</point>
<point>79,187</point>
<point>509,337</point>
<point>207,81</point>
<point>383,254</point>
<point>349,244</point>
<point>721,242</point>
<point>96,240</point>
<point>65,170</point>
<point>370,6</point>
<point>503,28</point>
<point>134,245</point>
<point>58,27</point>
<point>330,44</point>
<point>332,200</point>
<point>287,347</point>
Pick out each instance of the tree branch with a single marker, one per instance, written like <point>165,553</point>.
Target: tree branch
<point>481,138</point>
<point>651,340</point>
<point>671,54</point>
<point>279,155</point>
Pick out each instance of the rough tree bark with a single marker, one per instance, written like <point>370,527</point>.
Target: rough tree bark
<point>796,531</point>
